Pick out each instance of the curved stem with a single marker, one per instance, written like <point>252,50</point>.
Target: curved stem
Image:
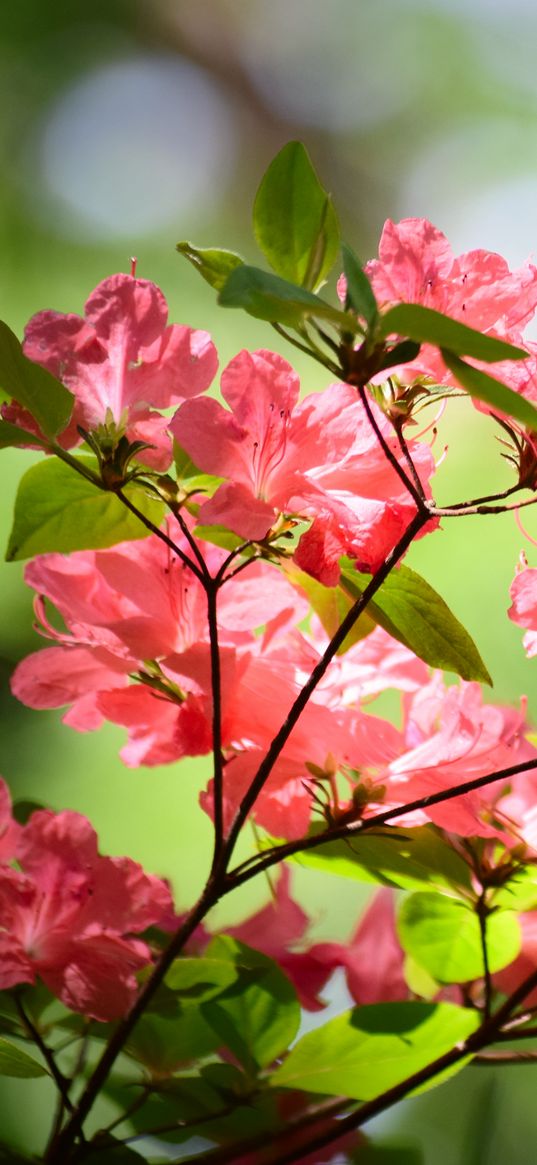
<point>416,494</point>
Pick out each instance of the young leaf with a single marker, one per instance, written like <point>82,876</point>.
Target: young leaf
<point>360,294</point>
<point>416,322</point>
<point>404,858</point>
<point>486,388</point>
<point>415,614</point>
<point>367,1050</point>
<point>13,435</point>
<point>267,297</point>
<point>49,402</point>
<point>16,1062</point>
<point>444,936</point>
<point>58,509</point>
<point>256,1020</point>
<point>295,222</point>
<point>215,266</point>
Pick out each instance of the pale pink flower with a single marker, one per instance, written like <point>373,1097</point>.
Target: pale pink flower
<point>123,360</point>
<point>68,916</point>
<point>416,265</point>
<point>453,736</point>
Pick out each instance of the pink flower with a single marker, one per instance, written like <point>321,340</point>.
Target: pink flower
<point>318,459</point>
<point>122,359</point>
<point>524,606</point>
<point>68,916</point>
<point>416,265</point>
<point>135,613</point>
<point>452,737</point>
<point>9,829</point>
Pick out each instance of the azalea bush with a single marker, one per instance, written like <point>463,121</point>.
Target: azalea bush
<point>227,580</point>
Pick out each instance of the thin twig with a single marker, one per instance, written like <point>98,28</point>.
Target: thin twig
<point>60,1080</point>
<point>278,742</point>
<point>216,685</point>
<point>416,494</point>
<point>482,914</point>
<point>149,525</point>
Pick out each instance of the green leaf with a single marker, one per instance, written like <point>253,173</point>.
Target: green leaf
<point>331,604</point>
<point>367,1050</point>
<point>256,1020</point>
<point>58,509</point>
<point>519,893</point>
<point>267,297</point>
<point>443,935</point>
<point>295,222</point>
<point>213,265</point>
<point>15,1062</point>
<point>49,402</point>
<point>360,294</point>
<point>165,1044</point>
<point>416,322</point>
<point>205,976</point>
<point>486,388</point>
<point>12,435</point>
<point>404,858</point>
<point>414,613</point>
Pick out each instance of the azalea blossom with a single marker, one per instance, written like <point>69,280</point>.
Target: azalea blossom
<point>416,265</point>
<point>67,916</point>
<point>318,459</point>
<point>136,647</point>
<point>523,609</point>
<point>121,361</point>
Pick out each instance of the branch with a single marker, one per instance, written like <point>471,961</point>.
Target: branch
<point>60,1080</point>
<point>482,914</point>
<point>216,684</point>
<point>346,831</point>
<point>275,748</point>
<point>416,494</point>
<point>149,525</point>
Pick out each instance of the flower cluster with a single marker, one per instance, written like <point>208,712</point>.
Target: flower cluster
<point>67,915</point>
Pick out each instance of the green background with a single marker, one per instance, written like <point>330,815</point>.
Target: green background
<point>132,124</point>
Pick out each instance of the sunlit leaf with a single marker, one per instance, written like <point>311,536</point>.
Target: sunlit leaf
<point>295,222</point>
<point>58,509</point>
<point>443,935</point>
<point>409,608</point>
<point>367,1050</point>
<point>416,322</point>
<point>215,266</point>
<point>268,297</point>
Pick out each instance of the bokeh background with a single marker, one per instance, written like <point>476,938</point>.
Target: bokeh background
<point>130,124</point>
